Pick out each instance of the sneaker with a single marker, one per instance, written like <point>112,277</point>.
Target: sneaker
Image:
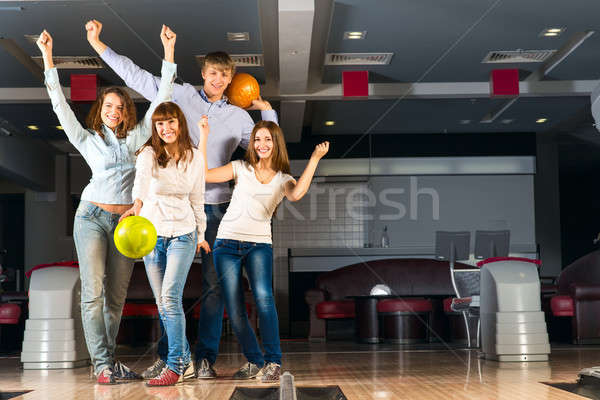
<point>247,371</point>
<point>166,378</point>
<point>123,373</point>
<point>204,370</point>
<point>270,372</point>
<point>154,370</point>
<point>188,372</point>
<point>106,377</point>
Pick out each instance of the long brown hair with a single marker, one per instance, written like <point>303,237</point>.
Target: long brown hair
<point>163,112</point>
<point>279,157</point>
<point>94,118</point>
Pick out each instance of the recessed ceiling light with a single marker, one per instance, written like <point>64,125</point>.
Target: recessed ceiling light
<point>238,36</point>
<point>541,120</point>
<point>355,35</point>
<point>551,32</point>
<point>59,127</point>
<point>507,121</point>
<point>33,127</point>
<point>465,121</point>
<point>329,123</point>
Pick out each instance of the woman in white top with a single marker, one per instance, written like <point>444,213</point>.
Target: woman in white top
<point>262,180</point>
<point>169,191</point>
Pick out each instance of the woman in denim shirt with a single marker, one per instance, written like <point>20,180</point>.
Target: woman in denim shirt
<point>108,146</point>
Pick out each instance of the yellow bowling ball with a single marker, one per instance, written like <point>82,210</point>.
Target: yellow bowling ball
<point>135,237</point>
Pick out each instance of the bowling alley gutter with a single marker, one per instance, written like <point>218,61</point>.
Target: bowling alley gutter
<point>423,90</point>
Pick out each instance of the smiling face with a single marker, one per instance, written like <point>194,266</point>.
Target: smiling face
<point>112,110</point>
<point>263,143</point>
<point>216,80</point>
<point>168,130</point>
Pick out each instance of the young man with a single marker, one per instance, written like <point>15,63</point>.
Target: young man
<point>230,127</point>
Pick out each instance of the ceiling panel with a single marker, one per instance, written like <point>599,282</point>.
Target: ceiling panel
<point>441,116</point>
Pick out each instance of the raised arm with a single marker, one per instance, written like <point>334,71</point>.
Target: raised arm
<point>143,131</point>
<point>213,175</point>
<point>135,77</point>
<point>71,126</point>
<point>294,191</point>
<point>197,202</point>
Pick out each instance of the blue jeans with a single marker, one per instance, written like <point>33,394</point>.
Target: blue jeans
<point>257,259</point>
<point>210,323</point>
<point>167,267</point>
<point>105,275</point>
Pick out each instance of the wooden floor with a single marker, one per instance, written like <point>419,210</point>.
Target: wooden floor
<point>361,371</point>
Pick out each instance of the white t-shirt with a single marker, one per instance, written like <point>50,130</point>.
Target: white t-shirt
<point>248,217</point>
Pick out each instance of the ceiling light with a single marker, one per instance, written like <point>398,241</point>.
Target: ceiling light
<point>507,121</point>
<point>551,32</point>
<point>238,36</point>
<point>33,127</point>
<point>59,127</point>
<point>355,35</point>
<point>541,120</point>
<point>329,123</point>
<point>465,121</point>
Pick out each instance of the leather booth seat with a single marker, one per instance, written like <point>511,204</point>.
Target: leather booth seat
<point>578,299</point>
<point>405,277</point>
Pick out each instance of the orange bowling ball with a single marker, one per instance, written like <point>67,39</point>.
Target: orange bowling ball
<point>242,90</point>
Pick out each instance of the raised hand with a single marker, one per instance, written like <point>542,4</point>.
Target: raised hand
<point>93,28</point>
<point>203,125</point>
<point>320,150</point>
<point>44,42</point>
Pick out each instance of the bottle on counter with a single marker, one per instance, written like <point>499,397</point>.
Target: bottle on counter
<point>385,239</point>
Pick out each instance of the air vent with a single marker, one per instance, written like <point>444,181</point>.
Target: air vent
<point>73,62</point>
<point>358,58</point>
<point>518,56</point>
<point>240,60</point>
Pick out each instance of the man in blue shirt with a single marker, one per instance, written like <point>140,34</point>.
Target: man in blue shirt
<point>230,127</point>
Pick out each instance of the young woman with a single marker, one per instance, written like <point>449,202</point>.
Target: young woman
<point>108,145</point>
<point>169,191</point>
<point>244,237</point>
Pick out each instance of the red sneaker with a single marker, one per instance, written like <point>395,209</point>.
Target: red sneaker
<point>106,377</point>
<point>166,378</point>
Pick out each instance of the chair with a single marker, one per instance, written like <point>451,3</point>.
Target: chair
<point>453,246</point>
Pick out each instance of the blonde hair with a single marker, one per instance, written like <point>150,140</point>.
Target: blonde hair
<point>221,60</point>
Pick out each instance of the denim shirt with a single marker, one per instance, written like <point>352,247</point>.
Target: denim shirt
<point>230,126</point>
<point>112,160</point>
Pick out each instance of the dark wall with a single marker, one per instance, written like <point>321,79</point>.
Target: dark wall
<point>579,199</point>
<point>12,238</point>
